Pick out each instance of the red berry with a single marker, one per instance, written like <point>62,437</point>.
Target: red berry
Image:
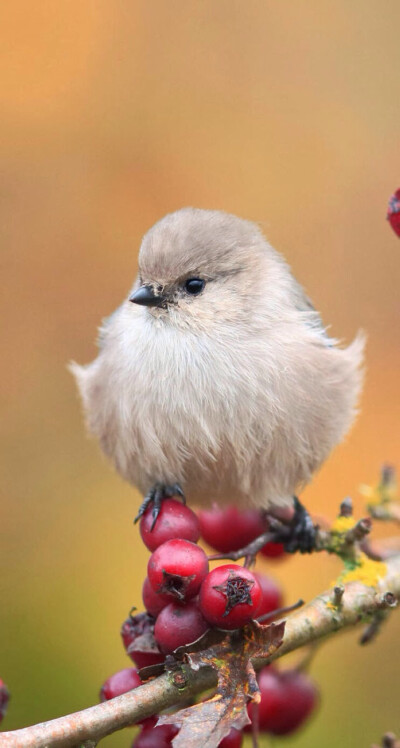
<point>145,659</point>
<point>137,634</point>
<point>393,213</point>
<point>230,596</point>
<point>233,739</point>
<point>287,699</point>
<point>179,624</point>
<point>229,529</point>
<point>154,602</point>
<point>177,568</point>
<point>122,682</point>
<point>118,683</point>
<point>135,626</point>
<point>271,594</point>
<point>155,737</point>
<point>174,521</point>
<point>273,550</point>
<point>4,699</point>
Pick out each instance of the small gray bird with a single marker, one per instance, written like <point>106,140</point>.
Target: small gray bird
<point>216,377</point>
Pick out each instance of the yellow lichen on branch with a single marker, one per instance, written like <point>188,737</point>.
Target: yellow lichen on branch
<point>383,499</point>
<point>366,570</point>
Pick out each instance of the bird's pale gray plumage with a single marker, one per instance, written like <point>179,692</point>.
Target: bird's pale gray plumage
<point>237,392</point>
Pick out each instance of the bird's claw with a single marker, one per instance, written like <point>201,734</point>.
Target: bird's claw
<point>302,531</point>
<point>156,496</point>
<point>175,490</point>
<point>297,535</point>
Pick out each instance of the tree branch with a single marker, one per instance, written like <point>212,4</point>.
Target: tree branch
<point>325,615</point>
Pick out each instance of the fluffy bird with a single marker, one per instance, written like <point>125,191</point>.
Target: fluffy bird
<point>216,376</point>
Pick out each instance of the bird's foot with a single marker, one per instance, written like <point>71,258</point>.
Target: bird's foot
<point>296,534</point>
<point>156,496</point>
<point>300,533</point>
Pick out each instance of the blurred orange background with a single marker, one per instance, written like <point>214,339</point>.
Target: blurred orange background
<point>113,114</point>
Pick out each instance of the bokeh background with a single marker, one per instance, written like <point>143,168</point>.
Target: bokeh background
<point>112,114</point>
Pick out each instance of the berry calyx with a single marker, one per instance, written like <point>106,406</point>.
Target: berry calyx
<point>230,529</point>
<point>137,634</point>
<point>287,698</point>
<point>154,602</point>
<point>177,568</point>
<point>236,589</point>
<point>179,624</point>
<point>175,520</point>
<point>230,596</point>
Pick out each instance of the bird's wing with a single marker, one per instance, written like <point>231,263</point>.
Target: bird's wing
<point>311,317</point>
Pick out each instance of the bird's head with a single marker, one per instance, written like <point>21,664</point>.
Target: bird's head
<point>200,265</point>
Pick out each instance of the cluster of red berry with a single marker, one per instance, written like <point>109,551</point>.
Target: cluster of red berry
<point>183,599</point>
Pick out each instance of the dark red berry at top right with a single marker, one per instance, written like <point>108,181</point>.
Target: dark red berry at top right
<point>393,212</point>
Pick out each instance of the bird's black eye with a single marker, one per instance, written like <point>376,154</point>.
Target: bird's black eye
<point>194,285</point>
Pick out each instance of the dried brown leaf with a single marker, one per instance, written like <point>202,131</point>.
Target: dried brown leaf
<point>204,725</point>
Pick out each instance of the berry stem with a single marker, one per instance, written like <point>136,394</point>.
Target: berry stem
<point>250,551</point>
<point>280,612</point>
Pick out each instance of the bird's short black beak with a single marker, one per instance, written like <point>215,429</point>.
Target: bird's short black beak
<point>146,296</point>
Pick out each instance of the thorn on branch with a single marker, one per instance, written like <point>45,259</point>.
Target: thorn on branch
<point>373,551</point>
<point>338,592</point>
<point>388,474</point>
<point>346,507</point>
<point>387,600</point>
<point>359,531</point>
<point>371,631</point>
